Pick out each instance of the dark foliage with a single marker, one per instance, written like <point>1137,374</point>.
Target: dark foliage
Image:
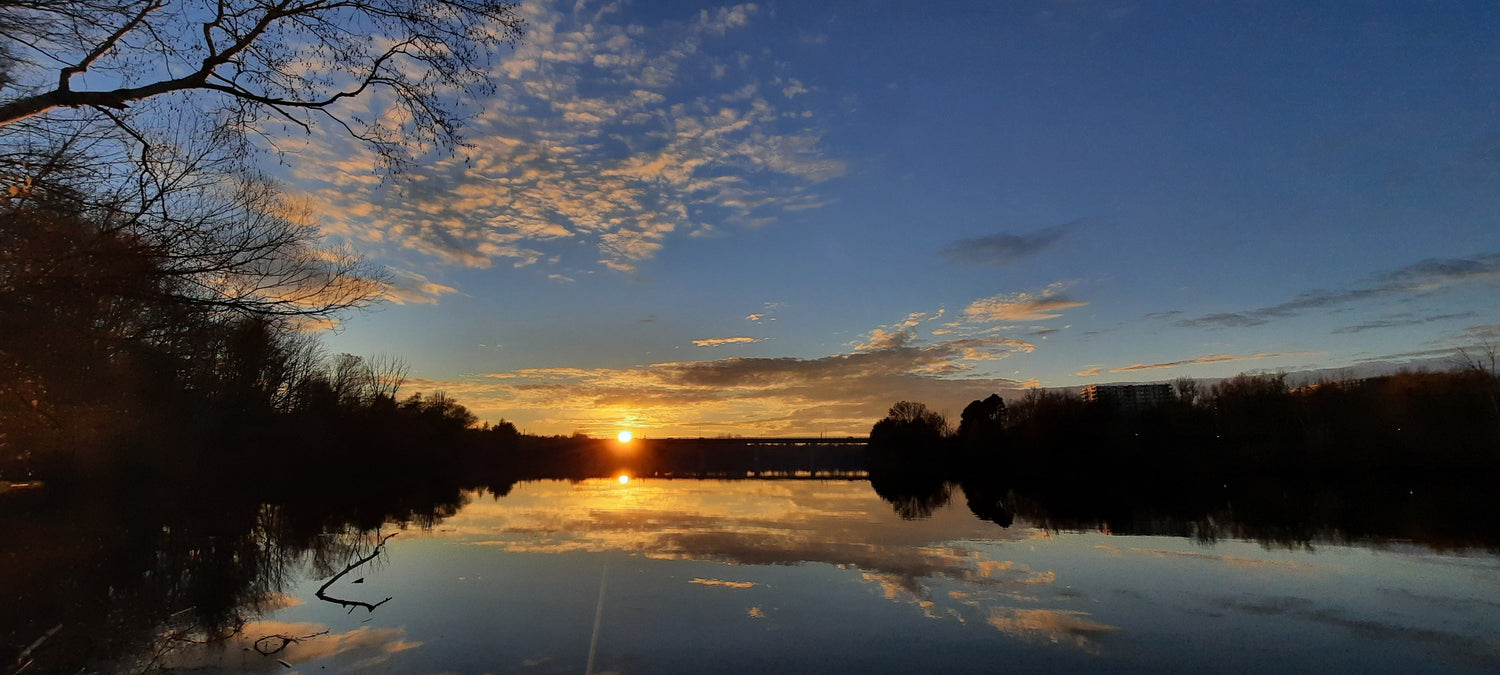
<point>910,430</point>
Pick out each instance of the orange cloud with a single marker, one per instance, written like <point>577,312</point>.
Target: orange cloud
<point>405,287</point>
<point>719,342</point>
<point>363,647</point>
<point>1210,358</point>
<point>1048,303</point>
<point>537,174</point>
<point>720,582</point>
<point>838,394</point>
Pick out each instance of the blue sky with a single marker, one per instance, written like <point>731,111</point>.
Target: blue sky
<point>779,218</point>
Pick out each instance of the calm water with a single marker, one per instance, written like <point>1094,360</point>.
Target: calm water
<point>682,576</point>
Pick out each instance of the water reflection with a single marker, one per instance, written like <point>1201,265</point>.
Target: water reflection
<point>89,579</point>
<point>274,646</point>
<point>912,572</point>
<point>1297,513</point>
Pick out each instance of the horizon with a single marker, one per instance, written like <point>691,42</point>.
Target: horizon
<point>695,219</point>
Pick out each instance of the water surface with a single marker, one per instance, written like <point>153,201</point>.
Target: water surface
<point>655,576</point>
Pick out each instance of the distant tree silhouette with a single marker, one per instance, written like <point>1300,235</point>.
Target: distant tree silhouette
<point>1187,390</point>
<point>909,428</point>
<point>983,421</point>
<point>1483,363</point>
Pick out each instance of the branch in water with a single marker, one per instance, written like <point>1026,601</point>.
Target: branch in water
<point>351,604</point>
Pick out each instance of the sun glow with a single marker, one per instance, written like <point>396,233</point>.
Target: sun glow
<point>624,479</point>
<point>625,436</point>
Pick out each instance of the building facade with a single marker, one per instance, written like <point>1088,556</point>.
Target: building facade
<point>1129,398</point>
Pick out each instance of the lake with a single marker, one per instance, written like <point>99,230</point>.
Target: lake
<point>688,576</point>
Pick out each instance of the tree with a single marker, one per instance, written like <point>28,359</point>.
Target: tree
<point>257,62</point>
<point>913,414</point>
<point>1188,390</point>
<point>1482,362</point>
<point>193,227</point>
<point>982,421</point>
<point>908,428</point>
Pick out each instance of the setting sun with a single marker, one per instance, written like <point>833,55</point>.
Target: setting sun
<point>624,479</point>
<point>625,436</point>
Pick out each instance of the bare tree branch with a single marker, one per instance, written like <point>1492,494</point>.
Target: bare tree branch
<point>261,59</point>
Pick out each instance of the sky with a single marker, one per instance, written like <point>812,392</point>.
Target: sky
<point>775,219</point>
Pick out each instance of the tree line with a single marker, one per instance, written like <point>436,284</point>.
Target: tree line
<point>159,294</point>
<point>1410,456</point>
<point>1408,424</point>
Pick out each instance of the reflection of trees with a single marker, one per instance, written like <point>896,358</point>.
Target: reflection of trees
<point>914,491</point>
<point>1287,514</point>
<point>128,576</point>
<point>1411,455</point>
<point>988,501</point>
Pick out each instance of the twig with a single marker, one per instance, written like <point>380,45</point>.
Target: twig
<point>351,604</point>
<point>285,640</point>
<point>27,651</point>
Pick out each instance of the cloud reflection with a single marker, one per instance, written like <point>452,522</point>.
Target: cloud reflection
<point>362,648</point>
<point>930,565</point>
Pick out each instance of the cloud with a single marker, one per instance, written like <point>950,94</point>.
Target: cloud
<point>841,393</point>
<point>1086,372</point>
<point>1049,625</point>
<point>1048,303</point>
<point>1210,358</point>
<point>719,342</point>
<point>1235,561</point>
<point>842,525</point>
<point>1481,333</point>
<point>1396,321</point>
<point>721,582</point>
<point>899,334</point>
<point>614,136</point>
<point>1000,250</point>
<point>406,287</point>
<point>1428,276</point>
<point>767,313</point>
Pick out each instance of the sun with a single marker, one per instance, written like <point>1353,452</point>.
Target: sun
<point>625,436</point>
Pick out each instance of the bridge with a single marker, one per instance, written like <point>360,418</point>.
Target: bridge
<point>816,458</point>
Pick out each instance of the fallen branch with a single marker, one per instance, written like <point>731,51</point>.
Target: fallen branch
<point>27,651</point>
<point>285,640</point>
<point>351,604</point>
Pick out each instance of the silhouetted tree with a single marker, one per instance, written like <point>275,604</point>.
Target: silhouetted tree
<point>1482,361</point>
<point>984,419</point>
<point>1187,390</point>
<point>119,317</point>
<point>909,429</point>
